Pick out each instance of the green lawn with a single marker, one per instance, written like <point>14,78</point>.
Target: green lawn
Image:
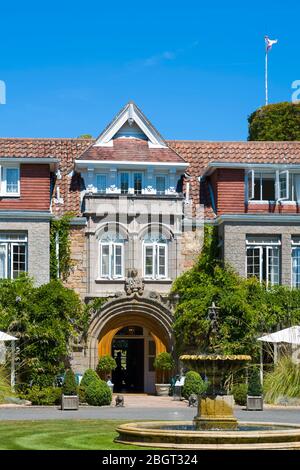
<point>61,435</point>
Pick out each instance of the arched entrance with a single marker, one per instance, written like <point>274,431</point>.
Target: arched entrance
<point>134,329</point>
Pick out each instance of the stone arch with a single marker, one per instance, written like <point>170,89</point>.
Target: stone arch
<point>156,227</point>
<point>111,227</point>
<point>126,311</point>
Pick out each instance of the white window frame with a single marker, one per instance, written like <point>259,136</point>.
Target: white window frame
<point>155,260</point>
<point>12,255</point>
<point>3,181</point>
<point>111,260</point>
<point>96,184</point>
<point>6,259</point>
<point>250,185</point>
<point>166,183</point>
<point>129,182</point>
<point>142,182</point>
<point>269,245</point>
<point>9,243</point>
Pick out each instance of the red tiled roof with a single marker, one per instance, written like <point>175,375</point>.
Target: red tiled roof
<point>196,153</point>
<point>135,150</point>
<point>66,150</point>
<point>199,153</point>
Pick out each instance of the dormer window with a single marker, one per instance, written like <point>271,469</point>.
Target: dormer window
<point>9,181</point>
<point>269,185</point>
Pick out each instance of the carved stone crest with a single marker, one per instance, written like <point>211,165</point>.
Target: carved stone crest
<point>134,284</point>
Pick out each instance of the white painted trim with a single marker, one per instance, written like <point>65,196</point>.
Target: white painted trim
<point>131,112</point>
<point>127,163</point>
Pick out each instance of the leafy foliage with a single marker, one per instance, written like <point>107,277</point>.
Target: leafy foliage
<point>44,319</point>
<point>193,384</point>
<point>98,393</point>
<point>280,121</point>
<point>45,396</point>
<point>284,381</point>
<point>247,308</point>
<point>239,392</point>
<point>69,386</point>
<point>106,364</point>
<point>89,376</point>
<point>164,362</point>
<point>5,390</point>
<point>254,384</point>
<point>60,230</point>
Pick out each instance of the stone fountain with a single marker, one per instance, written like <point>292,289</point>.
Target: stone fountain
<point>215,407</point>
<point>214,426</point>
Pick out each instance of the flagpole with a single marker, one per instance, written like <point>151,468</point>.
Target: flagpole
<point>266,76</point>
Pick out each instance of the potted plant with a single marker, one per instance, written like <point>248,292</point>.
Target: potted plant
<point>254,393</point>
<point>163,363</point>
<point>69,398</point>
<point>105,366</point>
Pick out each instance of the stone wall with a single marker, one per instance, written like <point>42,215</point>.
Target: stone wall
<point>78,276</point>
<point>191,246</point>
<point>38,233</point>
<point>234,244</point>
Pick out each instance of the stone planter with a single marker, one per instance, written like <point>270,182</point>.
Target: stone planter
<point>162,390</point>
<point>255,403</point>
<point>69,402</point>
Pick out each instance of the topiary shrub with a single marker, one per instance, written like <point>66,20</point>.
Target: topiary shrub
<point>69,386</point>
<point>5,389</point>
<point>164,362</point>
<point>98,393</point>
<point>193,384</point>
<point>254,384</point>
<point>89,376</point>
<point>239,392</point>
<point>105,365</point>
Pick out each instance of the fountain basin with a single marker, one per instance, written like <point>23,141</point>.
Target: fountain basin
<point>184,435</point>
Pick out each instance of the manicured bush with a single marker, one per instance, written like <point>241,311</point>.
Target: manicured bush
<point>105,365</point>
<point>98,393</point>
<point>41,396</point>
<point>89,376</point>
<point>193,384</point>
<point>284,381</point>
<point>239,392</point>
<point>254,384</point>
<point>69,386</point>
<point>164,362</point>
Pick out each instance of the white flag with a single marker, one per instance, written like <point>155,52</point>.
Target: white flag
<point>269,43</point>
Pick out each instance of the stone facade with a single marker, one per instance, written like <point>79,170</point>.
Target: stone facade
<point>37,245</point>
<point>78,276</point>
<point>233,237</point>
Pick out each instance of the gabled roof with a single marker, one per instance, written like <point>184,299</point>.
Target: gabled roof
<point>130,114</point>
<point>131,151</point>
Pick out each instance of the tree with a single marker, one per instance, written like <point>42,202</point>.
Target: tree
<point>85,136</point>
<point>105,365</point>
<point>164,363</point>
<point>247,308</point>
<point>44,319</point>
<point>69,386</point>
<point>280,121</point>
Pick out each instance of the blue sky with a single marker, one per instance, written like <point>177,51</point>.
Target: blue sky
<point>196,70</point>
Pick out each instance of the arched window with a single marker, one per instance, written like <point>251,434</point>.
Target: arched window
<point>112,256</point>
<point>155,256</point>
